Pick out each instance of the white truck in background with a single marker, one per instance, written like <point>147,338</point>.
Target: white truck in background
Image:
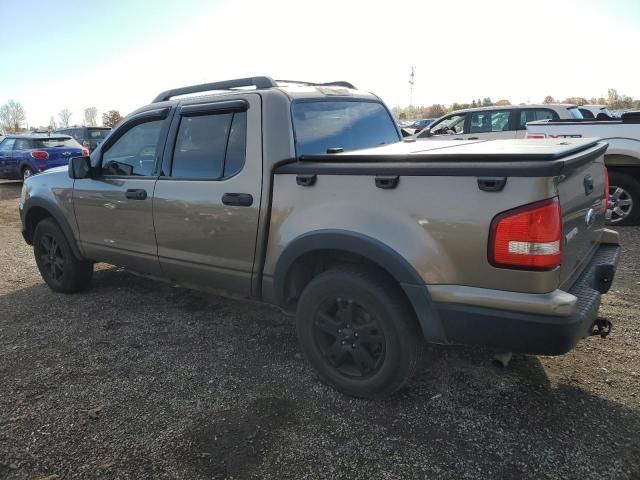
<point>622,157</point>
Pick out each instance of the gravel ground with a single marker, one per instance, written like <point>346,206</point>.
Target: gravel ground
<point>136,379</point>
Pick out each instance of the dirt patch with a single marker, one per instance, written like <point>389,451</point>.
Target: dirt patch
<point>136,379</point>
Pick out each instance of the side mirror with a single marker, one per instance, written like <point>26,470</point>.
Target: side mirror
<point>425,132</point>
<point>80,167</point>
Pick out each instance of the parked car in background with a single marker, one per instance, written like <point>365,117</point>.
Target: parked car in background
<point>418,125</point>
<point>341,223</point>
<point>498,122</point>
<point>89,137</point>
<point>599,112</point>
<point>622,157</point>
<point>22,156</point>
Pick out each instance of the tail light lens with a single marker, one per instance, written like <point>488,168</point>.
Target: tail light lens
<point>40,155</point>
<point>606,189</point>
<point>528,237</point>
<point>85,152</point>
<point>536,135</point>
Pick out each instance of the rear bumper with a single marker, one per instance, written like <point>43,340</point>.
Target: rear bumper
<point>527,330</point>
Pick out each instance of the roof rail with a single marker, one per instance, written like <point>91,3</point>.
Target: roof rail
<point>258,82</point>
<point>337,83</point>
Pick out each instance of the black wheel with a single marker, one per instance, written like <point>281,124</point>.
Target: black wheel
<point>624,199</point>
<point>59,268</point>
<point>359,332</point>
<point>26,173</point>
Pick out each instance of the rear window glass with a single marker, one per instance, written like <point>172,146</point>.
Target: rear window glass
<point>348,125</point>
<point>98,134</point>
<point>574,112</point>
<point>533,115</point>
<point>51,142</point>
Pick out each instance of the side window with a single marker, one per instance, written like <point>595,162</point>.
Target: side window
<point>134,153</point>
<point>490,121</point>
<point>210,146</point>
<point>586,113</point>
<point>22,144</point>
<point>453,125</point>
<point>533,114</point>
<point>7,145</point>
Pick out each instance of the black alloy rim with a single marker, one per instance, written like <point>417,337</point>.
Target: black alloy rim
<point>51,257</point>
<point>349,337</point>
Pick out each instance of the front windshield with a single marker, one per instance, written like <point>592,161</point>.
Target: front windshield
<point>324,125</point>
<point>451,125</point>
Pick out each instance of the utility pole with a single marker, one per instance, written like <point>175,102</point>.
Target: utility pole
<point>412,81</point>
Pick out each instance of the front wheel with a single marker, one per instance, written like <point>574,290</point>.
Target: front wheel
<point>624,199</point>
<point>359,332</point>
<point>59,268</point>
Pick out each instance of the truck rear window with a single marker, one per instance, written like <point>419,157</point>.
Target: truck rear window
<point>98,134</point>
<point>323,125</point>
<point>51,142</point>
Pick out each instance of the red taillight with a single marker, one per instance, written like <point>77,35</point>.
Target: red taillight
<point>85,152</point>
<point>536,135</point>
<point>528,237</point>
<point>606,189</point>
<point>40,155</point>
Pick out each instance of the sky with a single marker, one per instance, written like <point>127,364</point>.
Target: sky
<point>118,54</point>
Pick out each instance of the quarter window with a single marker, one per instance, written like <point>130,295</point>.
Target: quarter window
<point>210,146</point>
<point>532,115</point>
<point>134,153</point>
<point>7,145</point>
<point>22,144</point>
<point>490,121</point>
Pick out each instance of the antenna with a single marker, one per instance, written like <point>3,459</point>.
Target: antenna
<point>412,81</point>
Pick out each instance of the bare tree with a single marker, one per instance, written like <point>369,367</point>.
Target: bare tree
<point>549,99</point>
<point>12,116</point>
<point>91,116</point>
<point>52,123</point>
<point>65,116</point>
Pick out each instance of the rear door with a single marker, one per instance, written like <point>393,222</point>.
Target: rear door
<point>526,115</point>
<point>491,125</point>
<point>207,200</point>
<point>114,208</point>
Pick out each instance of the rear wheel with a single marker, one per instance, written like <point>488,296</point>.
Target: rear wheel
<point>624,199</point>
<point>359,332</point>
<point>59,268</point>
<point>27,172</point>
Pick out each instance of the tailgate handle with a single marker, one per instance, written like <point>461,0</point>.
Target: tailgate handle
<point>306,180</point>
<point>588,185</point>
<point>492,184</point>
<point>387,183</point>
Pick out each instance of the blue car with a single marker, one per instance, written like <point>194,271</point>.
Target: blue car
<point>24,155</point>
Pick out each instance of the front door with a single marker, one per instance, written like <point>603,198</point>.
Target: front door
<point>114,208</point>
<point>207,200</point>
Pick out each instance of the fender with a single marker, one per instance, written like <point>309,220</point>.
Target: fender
<point>57,215</point>
<point>378,253</point>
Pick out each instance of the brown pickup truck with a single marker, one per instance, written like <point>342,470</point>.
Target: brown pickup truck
<point>305,196</point>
